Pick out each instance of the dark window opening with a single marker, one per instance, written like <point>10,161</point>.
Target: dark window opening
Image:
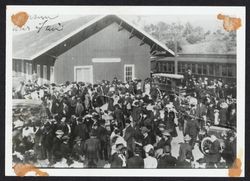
<point>204,69</point>
<point>224,70</point>
<point>199,69</point>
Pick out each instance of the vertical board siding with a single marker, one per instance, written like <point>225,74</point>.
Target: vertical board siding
<point>107,43</point>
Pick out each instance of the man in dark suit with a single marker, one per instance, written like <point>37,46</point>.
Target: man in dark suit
<point>166,159</point>
<point>119,116</point>
<point>186,163</point>
<point>129,137</point>
<point>77,149</point>
<point>184,148</point>
<point>92,149</point>
<point>79,128</point>
<point>192,129</point>
<point>118,159</point>
<point>214,155</point>
<point>47,141</point>
<point>56,148</point>
<point>136,161</point>
<point>102,135</point>
<point>64,147</point>
<point>136,111</point>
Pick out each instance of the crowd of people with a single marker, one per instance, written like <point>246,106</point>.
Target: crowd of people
<point>113,124</point>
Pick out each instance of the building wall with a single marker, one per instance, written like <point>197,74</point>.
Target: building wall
<point>23,69</point>
<point>212,66</point>
<point>107,43</point>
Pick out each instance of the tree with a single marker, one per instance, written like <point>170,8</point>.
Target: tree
<point>166,33</point>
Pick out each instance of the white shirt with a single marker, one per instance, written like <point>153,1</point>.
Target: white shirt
<point>150,162</point>
<point>147,89</point>
<point>28,131</point>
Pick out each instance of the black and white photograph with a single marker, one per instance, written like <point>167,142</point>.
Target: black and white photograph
<point>113,89</point>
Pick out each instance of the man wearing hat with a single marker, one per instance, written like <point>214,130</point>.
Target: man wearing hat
<point>129,137</point>
<point>214,154</point>
<point>118,159</point>
<point>79,107</point>
<point>136,111</point>
<point>92,149</point>
<point>102,135</point>
<point>165,140</point>
<point>184,148</point>
<point>47,141</point>
<point>187,162</point>
<point>56,148</point>
<point>166,159</point>
<point>223,113</point>
<point>64,147</point>
<point>119,116</point>
<point>136,161</point>
<point>79,129</point>
<point>192,129</point>
<point>78,149</point>
<point>146,138</point>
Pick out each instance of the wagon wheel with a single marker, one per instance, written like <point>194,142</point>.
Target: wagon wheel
<point>205,145</point>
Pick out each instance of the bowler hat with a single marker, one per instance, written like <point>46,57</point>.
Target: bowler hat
<point>144,129</point>
<point>93,132</point>
<point>127,121</point>
<point>78,138</point>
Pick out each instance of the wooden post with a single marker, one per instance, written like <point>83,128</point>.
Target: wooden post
<point>175,59</point>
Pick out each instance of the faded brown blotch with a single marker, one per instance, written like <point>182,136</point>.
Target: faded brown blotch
<point>235,170</point>
<point>230,23</point>
<point>23,169</point>
<point>19,19</point>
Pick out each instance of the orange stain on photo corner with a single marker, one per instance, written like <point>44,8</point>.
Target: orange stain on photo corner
<point>230,23</point>
<point>19,19</point>
<point>23,169</point>
<point>235,170</point>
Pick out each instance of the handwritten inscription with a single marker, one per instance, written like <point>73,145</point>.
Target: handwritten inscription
<point>42,25</point>
<point>38,17</point>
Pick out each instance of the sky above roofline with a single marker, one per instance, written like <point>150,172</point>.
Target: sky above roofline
<point>208,22</point>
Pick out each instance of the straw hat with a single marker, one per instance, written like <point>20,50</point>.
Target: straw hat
<point>148,147</point>
<point>224,105</point>
<point>59,132</point>
<point>187,138</point>
<point>166,133</point>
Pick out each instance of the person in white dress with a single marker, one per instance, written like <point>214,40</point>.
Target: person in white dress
<point>149,161</point>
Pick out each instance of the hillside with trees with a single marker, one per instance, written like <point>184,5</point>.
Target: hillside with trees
<point>193,39</point>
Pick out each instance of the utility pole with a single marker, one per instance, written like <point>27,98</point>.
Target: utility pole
<point>175,58</point>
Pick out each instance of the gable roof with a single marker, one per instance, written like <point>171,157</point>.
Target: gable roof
<point>31,45</point>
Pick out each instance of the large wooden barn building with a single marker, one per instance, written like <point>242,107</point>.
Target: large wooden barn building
<point>87,49</point>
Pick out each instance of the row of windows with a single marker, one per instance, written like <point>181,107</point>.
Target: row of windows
<point>21,67</point>
<point>210,69</point>
<point>167,67</point>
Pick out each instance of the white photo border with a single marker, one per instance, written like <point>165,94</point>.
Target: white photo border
<point>238,11</point>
